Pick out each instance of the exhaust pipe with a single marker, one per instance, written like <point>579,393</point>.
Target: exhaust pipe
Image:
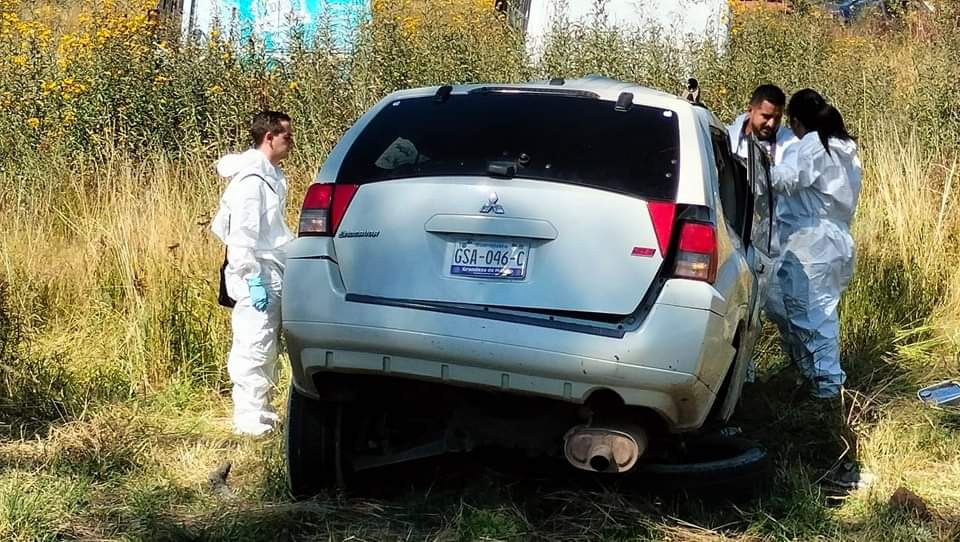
<point>604,449</point>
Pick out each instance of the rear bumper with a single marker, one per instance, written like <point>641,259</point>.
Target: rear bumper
<point>673,363</point>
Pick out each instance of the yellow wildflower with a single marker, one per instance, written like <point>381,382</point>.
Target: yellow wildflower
<point>215,89</point>
<point>44,35</point>
<point>294,85</point>
<point>19,60</point>
<point>409,25</point>
<point>33,122</point>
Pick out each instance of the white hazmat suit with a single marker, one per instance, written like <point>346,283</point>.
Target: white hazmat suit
<point>817,195</point>
<point>250,223</point>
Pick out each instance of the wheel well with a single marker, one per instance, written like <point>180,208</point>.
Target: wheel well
<point>606,403</point>
<point>725,386</point>
<point>604,399</point>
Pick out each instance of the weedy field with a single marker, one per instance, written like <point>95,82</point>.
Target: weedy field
<point>114,398</point>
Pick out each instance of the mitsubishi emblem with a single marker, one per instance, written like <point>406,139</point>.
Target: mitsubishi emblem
<point>492,205</point>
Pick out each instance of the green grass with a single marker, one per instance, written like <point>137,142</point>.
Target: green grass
<point>137,471</point>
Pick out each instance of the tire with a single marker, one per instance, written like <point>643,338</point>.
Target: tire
<point>724,463</point>
<point>317,446</point>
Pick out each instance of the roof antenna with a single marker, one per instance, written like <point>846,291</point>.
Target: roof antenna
<point>692,94</point>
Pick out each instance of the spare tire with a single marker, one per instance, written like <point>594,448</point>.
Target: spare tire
<point>735,463</point>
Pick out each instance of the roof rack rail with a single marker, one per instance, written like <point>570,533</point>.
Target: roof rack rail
<point>534,90</point>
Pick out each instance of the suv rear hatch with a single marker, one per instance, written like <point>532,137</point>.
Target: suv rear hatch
<point>549,202</point>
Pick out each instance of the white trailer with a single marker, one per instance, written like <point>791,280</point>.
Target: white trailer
<point>676,20</point>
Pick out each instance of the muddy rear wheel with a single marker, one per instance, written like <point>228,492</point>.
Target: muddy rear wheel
<point>318,446</point>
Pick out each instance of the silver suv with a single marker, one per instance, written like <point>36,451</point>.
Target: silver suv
<point>567,267</point>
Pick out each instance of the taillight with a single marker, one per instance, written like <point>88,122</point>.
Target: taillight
<point>342,196</point>
<point>661,215</point>
<point>324,207</point>
<point>697,252</point>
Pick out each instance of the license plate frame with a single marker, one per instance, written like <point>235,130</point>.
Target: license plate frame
<point>484,259</point>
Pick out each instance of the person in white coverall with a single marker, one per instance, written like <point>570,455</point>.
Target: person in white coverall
<point>762,120</point>
<point>250,222</point>
<point>817,183</point>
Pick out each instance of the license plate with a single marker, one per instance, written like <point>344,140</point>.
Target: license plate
<point>490,260</point>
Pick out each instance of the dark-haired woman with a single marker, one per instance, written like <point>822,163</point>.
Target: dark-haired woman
<point>817,184</point>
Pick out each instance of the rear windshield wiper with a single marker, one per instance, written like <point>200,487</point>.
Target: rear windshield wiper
<point>502,168</point>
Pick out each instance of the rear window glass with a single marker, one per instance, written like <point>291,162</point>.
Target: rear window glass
<point>548,137</point>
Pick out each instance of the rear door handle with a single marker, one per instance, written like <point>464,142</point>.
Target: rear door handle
<point>497,226</point>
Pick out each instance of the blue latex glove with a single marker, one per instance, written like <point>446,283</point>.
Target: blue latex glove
<point>258,294</point>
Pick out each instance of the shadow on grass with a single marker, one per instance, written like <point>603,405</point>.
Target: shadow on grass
<point>496,495</point>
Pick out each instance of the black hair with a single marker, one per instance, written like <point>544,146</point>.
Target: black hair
<point>830,124</point>
<point>812,111</point>
<point>768,93</point>
<point>264,122</point>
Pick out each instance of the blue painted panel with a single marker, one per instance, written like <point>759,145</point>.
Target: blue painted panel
<point>273,20</point>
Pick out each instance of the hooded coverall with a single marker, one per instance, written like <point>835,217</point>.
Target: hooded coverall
<point>817,195</point>
<point>250,223</point>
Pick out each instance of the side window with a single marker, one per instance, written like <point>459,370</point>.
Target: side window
<point>732,178</point>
